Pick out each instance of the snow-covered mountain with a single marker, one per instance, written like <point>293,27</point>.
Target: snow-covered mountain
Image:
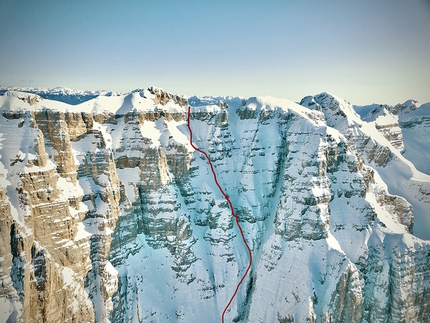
<point>413,120</point>
<point>66,95</point>
<point>108,214</point>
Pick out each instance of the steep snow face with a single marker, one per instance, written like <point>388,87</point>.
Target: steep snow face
<point>415,127</point>
<point>377,145</point>
<point>139,232</point>
<point>412,119</point>
<point>387,124</point>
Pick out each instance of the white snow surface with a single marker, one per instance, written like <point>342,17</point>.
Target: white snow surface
<point>287,273</point>
<point>401,174</point>
<point>117,104</point>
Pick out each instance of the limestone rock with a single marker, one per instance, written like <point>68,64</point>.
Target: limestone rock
<point>107,214</point>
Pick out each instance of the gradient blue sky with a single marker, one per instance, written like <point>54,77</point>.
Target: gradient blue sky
<point>364,51</point>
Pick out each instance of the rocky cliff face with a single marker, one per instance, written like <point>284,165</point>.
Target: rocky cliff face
<point>406,126</point>
<point>109,215</point>
<point>379,148</point>
<point>45,250</point>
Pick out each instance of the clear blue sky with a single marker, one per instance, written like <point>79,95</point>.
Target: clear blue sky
<point>364,51</point>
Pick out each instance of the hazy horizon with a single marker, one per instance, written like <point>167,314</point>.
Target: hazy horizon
<point>364,52</point>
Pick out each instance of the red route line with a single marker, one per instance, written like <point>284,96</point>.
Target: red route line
<point>232,214</point>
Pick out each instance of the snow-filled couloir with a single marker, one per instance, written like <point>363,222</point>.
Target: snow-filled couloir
<point>109,215</point>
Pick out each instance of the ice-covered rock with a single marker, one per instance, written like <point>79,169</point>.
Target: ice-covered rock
<point>108,214</point>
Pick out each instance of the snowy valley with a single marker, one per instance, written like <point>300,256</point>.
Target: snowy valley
<point>109,215</point>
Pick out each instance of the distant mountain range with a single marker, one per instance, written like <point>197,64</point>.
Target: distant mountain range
<point>66,95</point>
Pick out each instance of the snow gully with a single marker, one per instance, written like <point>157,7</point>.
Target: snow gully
<point>232,214</point>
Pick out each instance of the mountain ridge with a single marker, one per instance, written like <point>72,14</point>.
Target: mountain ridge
<point>138,230</point>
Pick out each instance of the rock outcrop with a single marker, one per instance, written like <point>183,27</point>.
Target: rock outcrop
<point>381,148</point>
<point>405,126</point>
<point>44,245</point>
<point>108,214</point>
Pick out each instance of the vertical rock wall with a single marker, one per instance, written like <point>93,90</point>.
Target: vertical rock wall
<point>114,218</point>
<point>46,255</point>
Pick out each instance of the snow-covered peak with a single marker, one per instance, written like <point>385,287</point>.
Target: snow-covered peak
<point>404,111</point>
<point>62,94</point>
<point>382,112</point>
<point>309,102</point>
<point>367,112</point>
<point>419,112</point>
<point>406,107</point>
<point>29,98</point>
<point>327,237</point>
<point>336,103</point>
<point>108,102</point>
<point>363,110</point>
<point>338,113</point>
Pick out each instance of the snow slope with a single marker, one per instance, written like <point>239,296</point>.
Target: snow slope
<point>66,95</point>
<point>400,174</point>
<point>413,120</point>
<point>142,233</point>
